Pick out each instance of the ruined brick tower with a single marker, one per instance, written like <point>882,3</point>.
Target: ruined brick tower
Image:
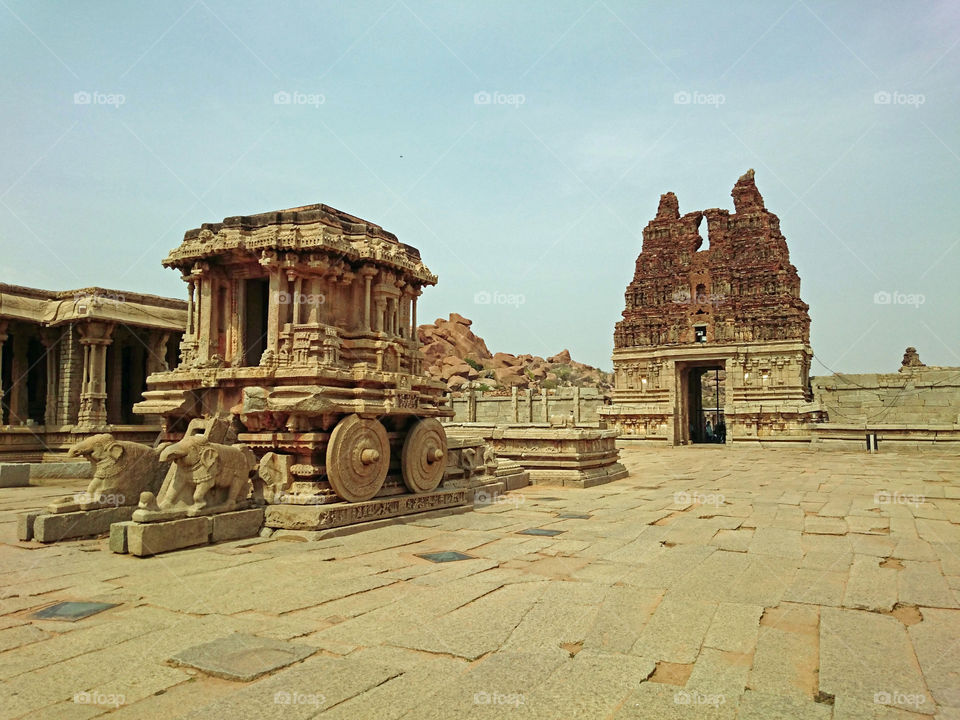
<point>733,310</point>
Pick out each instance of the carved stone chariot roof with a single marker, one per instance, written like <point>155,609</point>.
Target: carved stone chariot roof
<point>309,229</point>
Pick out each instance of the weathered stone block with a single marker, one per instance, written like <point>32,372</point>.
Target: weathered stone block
<point>86,523</point>
<point>14,475</point>
<point>25,524</point>
<point>236,525</point>
<point>145,539</point>
<point>242,657</point>
<point>118,537</point>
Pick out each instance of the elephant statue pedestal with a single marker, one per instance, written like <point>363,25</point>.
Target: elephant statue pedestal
<point>205,498</point>
<point>121,472</point>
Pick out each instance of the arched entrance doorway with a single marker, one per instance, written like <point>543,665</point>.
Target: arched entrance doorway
<point>701,397</point>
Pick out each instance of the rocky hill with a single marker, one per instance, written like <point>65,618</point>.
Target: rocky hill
<point>457,356</point>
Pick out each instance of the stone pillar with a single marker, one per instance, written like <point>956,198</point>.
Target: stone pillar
<point>240,323</point>
<point>413,313</point>
<point>576,404</point>
<point>71,377</point>
<point>389,312</point>
<point>543,405</point>
<point>228,316</point>
<point>380,316</point>
<point>317,298</point>
<point>730,369</point>
<point>676,389</point>
<point>94,337</point>
<point>368,273</point>
<point>296,299</point>
<point>514,405</point>
<point>3,339</point>
<point>157,359</point>
<point>471,404</point>
<point>273,311</point>
<point>529,405</point>
<point>204,322</point>
<point>135,376</point>
<point>50,337</point>
<point>115,382</point>
<point>18,379</point>
<point>191,317</point>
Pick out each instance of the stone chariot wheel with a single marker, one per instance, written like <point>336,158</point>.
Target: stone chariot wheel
<point>424,456</point>
<point>358,456</point>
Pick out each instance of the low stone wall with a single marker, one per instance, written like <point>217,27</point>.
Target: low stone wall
<point>889,437</point>
<point>573,456</point>
<point>38,443</point>
<point>526,406</point>
<point>917,397</point>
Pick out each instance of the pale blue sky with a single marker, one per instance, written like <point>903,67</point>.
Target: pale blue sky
<point>541,200</point>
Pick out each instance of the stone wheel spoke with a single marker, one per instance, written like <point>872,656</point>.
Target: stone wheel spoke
<point>358,456</point>
<point>424,456</point>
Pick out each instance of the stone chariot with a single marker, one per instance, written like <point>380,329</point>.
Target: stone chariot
<point>302,331</point>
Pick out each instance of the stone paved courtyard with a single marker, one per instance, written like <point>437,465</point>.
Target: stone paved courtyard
<point>711,583</point>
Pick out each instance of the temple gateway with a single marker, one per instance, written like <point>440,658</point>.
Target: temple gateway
<point>714,345</point>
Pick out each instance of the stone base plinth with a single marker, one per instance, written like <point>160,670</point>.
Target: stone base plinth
<point>320,517</point>
<point>573,457</point>
<point>14,475</point>
<point>52,527</point>
<point>145,539</point>
<point>578,478</point>
<point>512,475</point>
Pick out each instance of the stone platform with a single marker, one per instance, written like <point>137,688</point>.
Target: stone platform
<point>145,539</point>
<point>47,527</point>
<point>322,517</point>
<point>14,475</point>
<point>569,456</point>
<point>758,585</point>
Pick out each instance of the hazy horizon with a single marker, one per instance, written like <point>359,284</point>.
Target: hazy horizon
<point>521,149</point>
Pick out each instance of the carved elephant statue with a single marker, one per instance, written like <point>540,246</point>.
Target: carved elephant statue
<point>207,477</point>
<point>121,470</point>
